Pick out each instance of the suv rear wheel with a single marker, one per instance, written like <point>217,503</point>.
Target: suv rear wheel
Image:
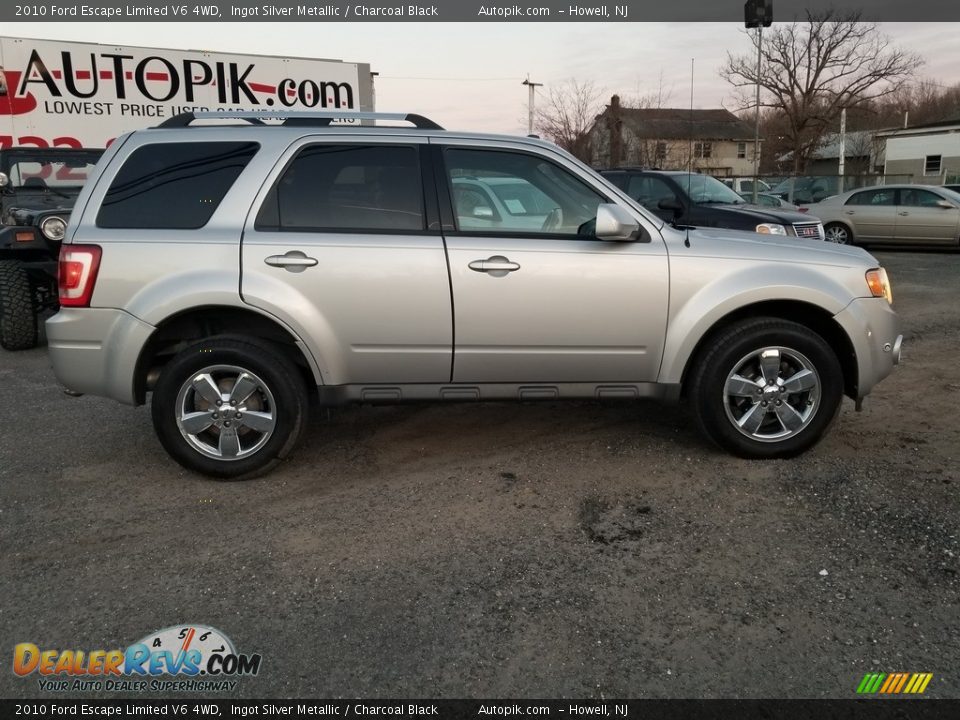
<point>229,408</point>
<point>18,318</point>
<point>767,388</point>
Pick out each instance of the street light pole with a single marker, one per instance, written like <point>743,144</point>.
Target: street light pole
<point>531,101</point>
<point>757,14</point>
<point>756,129</point>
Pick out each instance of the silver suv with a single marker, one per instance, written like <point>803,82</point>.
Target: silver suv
<point>239,270</point>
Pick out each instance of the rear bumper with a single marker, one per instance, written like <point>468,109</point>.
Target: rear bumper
<point>874,329</point>
<point>95,350</point>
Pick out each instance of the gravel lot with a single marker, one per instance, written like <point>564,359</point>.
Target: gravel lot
<point>565,549</point>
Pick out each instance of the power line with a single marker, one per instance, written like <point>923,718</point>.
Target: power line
<point>453,79</point>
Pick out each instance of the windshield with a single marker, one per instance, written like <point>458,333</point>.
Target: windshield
<point>521,198</point>
<point>797,184</point>
<point>707,189</point>
<point>37,175</point>
<point>952,194</point>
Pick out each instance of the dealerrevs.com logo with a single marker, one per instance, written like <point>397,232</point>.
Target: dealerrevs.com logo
<point>187,658</point>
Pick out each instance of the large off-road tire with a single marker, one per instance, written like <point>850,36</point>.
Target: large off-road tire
<point>229,408</point>
<point>18,311</point>
<point>766,388</point>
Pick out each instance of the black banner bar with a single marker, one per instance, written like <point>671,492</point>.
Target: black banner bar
<point>300,11</point>
<point>602,709</point>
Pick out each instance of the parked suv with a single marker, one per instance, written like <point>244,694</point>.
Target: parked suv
<point>744,186</point>
<point>37,190</point>
<point>685,198</point>
<point>236,271</point>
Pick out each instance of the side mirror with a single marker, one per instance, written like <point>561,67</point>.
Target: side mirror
<point>615,223</point>
<point>945,204</point>
<point>3,180</point>
<point>672,204</point>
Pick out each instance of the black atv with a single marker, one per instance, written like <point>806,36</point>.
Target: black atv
<point>38,187</point>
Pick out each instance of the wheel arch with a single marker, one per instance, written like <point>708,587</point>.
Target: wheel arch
<point>184,328</point>
<point>846,225</point>
<point>807,314</point>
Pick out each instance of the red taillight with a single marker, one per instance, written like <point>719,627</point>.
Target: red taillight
<point>77,274</point>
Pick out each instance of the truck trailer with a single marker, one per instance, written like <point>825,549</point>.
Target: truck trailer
<point>62,103</point>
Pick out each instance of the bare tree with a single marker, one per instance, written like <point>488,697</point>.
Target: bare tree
<point>568,114</point>
<point>811,70</point>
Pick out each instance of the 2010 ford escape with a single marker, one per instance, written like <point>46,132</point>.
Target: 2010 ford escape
<point>237,270</point>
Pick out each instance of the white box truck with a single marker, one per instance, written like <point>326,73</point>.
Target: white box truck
<point>61,103</point>
<point>70,94</point>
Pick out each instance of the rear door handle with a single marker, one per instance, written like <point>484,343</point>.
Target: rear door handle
<point>903,212</point>
<point>292,261</point>
<point>850,212</point>
<point>498,266</point>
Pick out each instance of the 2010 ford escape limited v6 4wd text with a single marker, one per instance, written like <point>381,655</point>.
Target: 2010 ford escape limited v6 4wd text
<point>238,270</point>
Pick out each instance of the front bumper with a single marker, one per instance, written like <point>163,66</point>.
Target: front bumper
<point>95,350</point>
<point>874,329</point>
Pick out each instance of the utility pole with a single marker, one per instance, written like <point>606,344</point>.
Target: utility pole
<point>531,102</point>
<point>757,14</point>
<point>843,144</point>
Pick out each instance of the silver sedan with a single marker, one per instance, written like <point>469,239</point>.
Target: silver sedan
<point>892,214</point>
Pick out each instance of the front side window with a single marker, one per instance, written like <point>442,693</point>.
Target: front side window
<point>649,190</point>
<point>516,193</point>
<point>349,188</point>
<point>176,186</point>
<point>919,198</point>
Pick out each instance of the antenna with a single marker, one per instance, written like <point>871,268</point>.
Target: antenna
<point>686,240</point>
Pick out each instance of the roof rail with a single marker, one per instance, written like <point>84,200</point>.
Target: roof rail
<point>312,118</point>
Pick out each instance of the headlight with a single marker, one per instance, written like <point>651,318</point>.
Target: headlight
<point>879,284</point>
<point>53,228</point>
<point>771,229</point>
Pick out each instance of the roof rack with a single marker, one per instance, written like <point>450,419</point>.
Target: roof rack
<point>298,118</point>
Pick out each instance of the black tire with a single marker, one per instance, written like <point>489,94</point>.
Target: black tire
<point>279,391</point>
<point>18,311</point>
<point>790,347</point>
<point>838,230</point>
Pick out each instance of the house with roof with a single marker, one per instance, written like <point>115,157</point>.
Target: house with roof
<point>929,153</point>
<point>708,141</point>
<point>862,152</point>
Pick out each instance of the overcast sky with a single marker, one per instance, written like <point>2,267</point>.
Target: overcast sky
<point>468,75</point>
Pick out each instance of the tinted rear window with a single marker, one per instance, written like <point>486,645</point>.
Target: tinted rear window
<point>173,185</point>
<point>347,188</point>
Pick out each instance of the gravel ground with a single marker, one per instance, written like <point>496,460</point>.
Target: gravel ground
<point>563,549</point>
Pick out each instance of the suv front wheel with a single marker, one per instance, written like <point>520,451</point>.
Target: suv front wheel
<point>767,388</point>
<point>229,408</point>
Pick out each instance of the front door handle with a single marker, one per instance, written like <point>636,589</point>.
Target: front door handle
<point>292,261</point>
<point>903,212</point>
<point>498,266</point>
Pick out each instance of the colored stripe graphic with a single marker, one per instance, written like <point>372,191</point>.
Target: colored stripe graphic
<point>894,683</point>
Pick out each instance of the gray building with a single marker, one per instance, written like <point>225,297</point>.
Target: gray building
<point>930,153</point>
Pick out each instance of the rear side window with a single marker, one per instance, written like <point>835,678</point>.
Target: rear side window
<point>175,186</point>
<point>352,188</point>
